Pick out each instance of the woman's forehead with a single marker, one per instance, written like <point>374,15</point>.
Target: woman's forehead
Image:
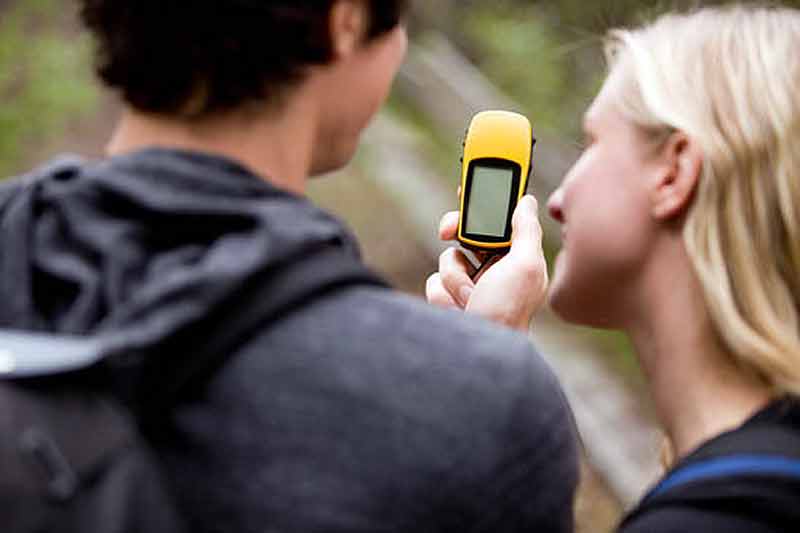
<point>604,107</point>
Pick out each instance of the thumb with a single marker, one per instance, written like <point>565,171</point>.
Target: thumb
<point>448,227</point>
<point>526,232</point>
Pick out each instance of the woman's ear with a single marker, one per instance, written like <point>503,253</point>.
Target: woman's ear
<point>678,173</point>
<point>348,27</point>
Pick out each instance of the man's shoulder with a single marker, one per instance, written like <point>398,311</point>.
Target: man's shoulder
<point>437,408</point>
<point>400,315</point>
<point>376,336</point>
<point>402,326</point>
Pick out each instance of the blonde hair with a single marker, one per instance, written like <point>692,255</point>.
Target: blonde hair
<point>729,78</point>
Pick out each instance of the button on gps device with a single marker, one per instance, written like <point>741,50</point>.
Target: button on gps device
<point>496,165</point>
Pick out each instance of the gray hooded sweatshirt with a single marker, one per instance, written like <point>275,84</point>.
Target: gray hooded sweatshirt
<point>350,410</point>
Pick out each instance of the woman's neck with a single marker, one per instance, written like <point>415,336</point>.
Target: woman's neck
<point>698,390</point>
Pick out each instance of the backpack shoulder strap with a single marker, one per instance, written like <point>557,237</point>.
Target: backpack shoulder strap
<point>208,344</point>
<point>732,465</point>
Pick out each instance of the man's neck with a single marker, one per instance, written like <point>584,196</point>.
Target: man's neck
<point>275,146</point>
<point>698,390</point>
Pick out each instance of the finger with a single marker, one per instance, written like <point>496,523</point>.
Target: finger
<point>526,236</point>
<point>456,273</point>
<point>436,294</point>
<point>527,255</point>
<point>448,227</point>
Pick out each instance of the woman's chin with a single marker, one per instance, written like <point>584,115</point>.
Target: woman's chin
<point>558,298</point>
<point>577,307</point>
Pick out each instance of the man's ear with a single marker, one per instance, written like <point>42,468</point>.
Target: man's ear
<point>677,175</point>
<point>348,26</point>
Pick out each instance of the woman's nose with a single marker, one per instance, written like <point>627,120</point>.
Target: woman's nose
<point>554,204</point>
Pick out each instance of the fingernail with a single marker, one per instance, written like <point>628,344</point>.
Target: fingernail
<point>464,295</point>
<point>530,199</point>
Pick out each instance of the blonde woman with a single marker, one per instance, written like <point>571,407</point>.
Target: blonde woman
<point>681,226</point>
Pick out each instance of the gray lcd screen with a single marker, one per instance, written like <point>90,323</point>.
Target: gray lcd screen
<point>489,200</point>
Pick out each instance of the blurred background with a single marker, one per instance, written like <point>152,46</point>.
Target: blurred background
<point>541,58</point>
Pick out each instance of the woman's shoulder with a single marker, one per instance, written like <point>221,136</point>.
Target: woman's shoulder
<point>747,479</point>
<point>680,519</point>
<point>738,503</point>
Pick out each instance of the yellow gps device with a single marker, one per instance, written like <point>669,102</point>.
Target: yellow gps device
<point>496,165</point>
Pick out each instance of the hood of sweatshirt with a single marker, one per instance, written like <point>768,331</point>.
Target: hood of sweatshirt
<point>138,248</point>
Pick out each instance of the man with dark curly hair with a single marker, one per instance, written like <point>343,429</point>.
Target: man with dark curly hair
<point>280,385</point>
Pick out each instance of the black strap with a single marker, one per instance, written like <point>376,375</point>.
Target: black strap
<point>194,354</point>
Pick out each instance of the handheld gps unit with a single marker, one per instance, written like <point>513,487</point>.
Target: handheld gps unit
<point>496,165</point>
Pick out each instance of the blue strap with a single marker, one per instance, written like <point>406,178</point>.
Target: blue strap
<point>769,465</point>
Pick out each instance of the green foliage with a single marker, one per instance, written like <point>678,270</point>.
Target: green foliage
<point>573,18</point>
<point>442,150</point>
<point>45,79</point>
<point>523,56</point>
<point>523,52</point>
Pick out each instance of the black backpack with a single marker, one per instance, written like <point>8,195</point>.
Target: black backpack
<point>73,456</point>
<point>72,459</point>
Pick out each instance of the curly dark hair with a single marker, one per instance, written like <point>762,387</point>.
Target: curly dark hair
<point>199,57</point>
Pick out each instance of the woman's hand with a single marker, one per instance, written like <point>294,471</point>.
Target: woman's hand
<point>511,289</point>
